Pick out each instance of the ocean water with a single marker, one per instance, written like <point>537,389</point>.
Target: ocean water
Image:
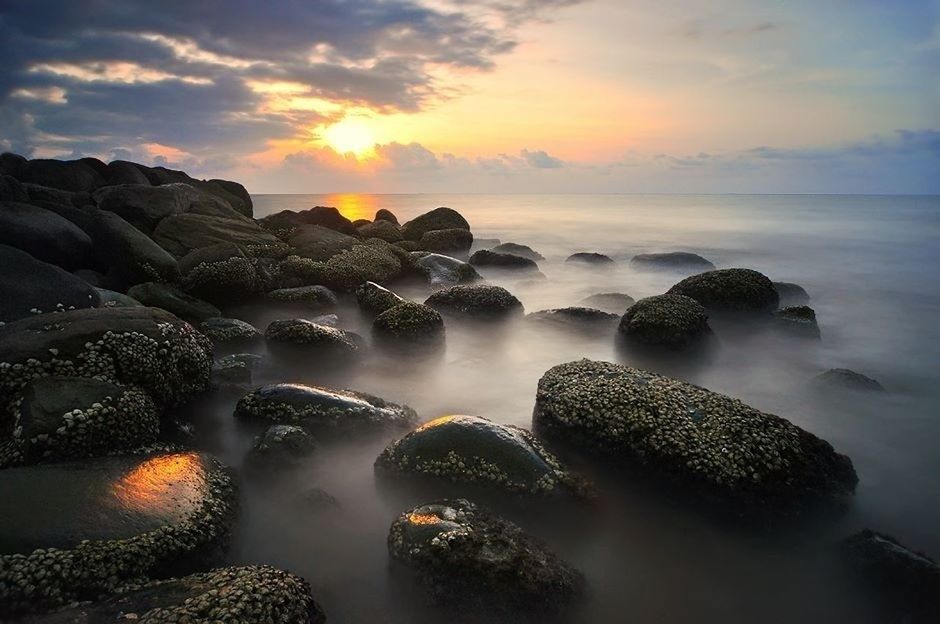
<point>871,265</point>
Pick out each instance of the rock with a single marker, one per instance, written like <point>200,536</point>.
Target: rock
<point>317,500</point>
<point>224,330</point>
<point>908,581</point>
<point>469,449</point>
<point>235,371</point>
<point>29,287</point>
<point>609,302</point>
<point>319,243</point>
<point>518,250</point>
<point>408,325</point>
<point>281,445</point>
<point>671,261</point>
<point>408,245</point>
<point>72,417</point>
<point>144,206</point>
<point>324,216</point>
<point>307,337</point>
<point>470,558</point>
<point>712,445</point>
<point>446,271</point>
<point>44,235</point>
<point>124,172</point>
<point>349,269</point>
<point>490,259</point>
<point>43,195</point>
<point>235,594</point>
<point>437,219</point>
<point>130,255</point>
<point>323,410</point>
<point>112,299</point>
<point>478,301</point>
<point>585,257</point>
<point>674,321</point>
<point>91,277</point>
<point>385,215</point>
<point>581,319</point>
<point>12,190</point>
<point>75,530</point>
<point>791,294</point>
<point>845,379</point>
<point>68,175</point>
<point>172,299</point>
<point>179,234</point>
<point>220,274</point>
<point>798,320</point>
<point>12,164</point>
<point>730,290</point>
<point>313,297</point>
<point>374,299</point>
<point>242,198</point>
<point>444,241</point>
<point>385,230</point>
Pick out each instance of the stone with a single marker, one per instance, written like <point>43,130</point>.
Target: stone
<point>29,287</point>
<point>179,234</point>
<point>220,273</point>
<point>505,261</point>
<point>587,320</point>
<point>585,257</point>
<point>673,321</point>
<point>319,243</point>
<point>45,235</point>
<point>609,302</point>
<point>130,255</point>
<point>349,269</point>
<point>385,215</point>
<point>221,330</point>
<point>791,294</point>
<point>68,175</point>
<point>172,299</point>
<point>845,379</point>
<point>385,230</point>
<point>437,219</point>
<point>409,325</point>
<point>112,299</point>
<point>144,206</point>
<point>281,445</point>
<point>730,290</point>
<point>672,261</point>
<point>325,216</point>
<point>518,250</point>
<point>311,297</point>
<point>798,321</point>
<point>374,299</point>
<point>300,336</point>
<point>13,190</point>
<point>124,172</point>
<point>477,301</point>
<point>456,240</point>
<point>446,271</point>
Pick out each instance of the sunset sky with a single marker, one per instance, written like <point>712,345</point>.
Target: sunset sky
<point>491,96</point>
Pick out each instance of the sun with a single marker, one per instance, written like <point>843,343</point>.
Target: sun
<point>350,136</point>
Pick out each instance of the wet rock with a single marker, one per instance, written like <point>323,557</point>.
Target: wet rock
<point>587,320</point>
<point>172,299</point>
<point>845,379</point>
<point>306,337</point>
<point>672,261</point>
<point>228,330</point>
<point>518,250</point>
<point>220,274</point>
<point>408,325</point>
<point>490,259</point>
<point>74,530</point>
<point>374,299</point>
<point>715,446</point>
<point>235,371</point>
<point>179,234</point>
<point>349,269</point>
<point>730,290</point>
<point>29,287</point>
<point>437,219</point>
<point>477,301</point>
<point>312,297</point>
<point>446,271</point>
<point>130,255</point>
<point>454,240</point>
<point>319,243</point>
<point>385,215</point>
<point>112,299</point>
<point>469,449</point>
<point>44,235</point>
<point>236,594</point>
<point>324,216</point>
<point>674,321</point>
<point>386,230</point>
<point>323,410</point>
<point>92,277</point>
<point>281,445</point>
<point>798,321</point>
<point>609,302</point>
<point>590,258</point>
<point>68,175</point>
<point>791,294</point>
<point>467,557</point>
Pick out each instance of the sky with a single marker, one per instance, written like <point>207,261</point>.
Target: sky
<point>497,96</point>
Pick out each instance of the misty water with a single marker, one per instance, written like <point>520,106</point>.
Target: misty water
<point>871,266</point>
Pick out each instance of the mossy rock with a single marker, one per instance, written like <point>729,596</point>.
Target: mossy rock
<point>348,269</point>
<point>220,274</point>
<point>477,301</point>
<point>505,261</point>
<point>609,302</point>
<point>172,299</point>
<point>311,297</point>
<point>374,299</point>
<point>438,219</point>
<point>468,558</point>
<point>182,233</point>
<point>409,324</point>
<point>457,240</point>
<point>446,271</point>
<point>798,321</point>
<point>587,320</point>
<point>518,250</point>
<point>673,321</point>
<point>221,330</point>
<point>730,290</point>
<point>671,261</point>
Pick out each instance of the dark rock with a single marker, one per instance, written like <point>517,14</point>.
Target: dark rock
<point>130,255</point>
<point>235,371</point>
<point>41,195</point>
<point>172,299</point>
<point>12,164</point>
<point>317,500</point>
<point>281,445</point>
<point>672,261</point>
<point>68,175</point>
<point>798,321</point>
<point>111,299</point>
<point>307,337</point>
<point>609,302</point>
<point>478,301</point>
<point>124,172</point>
<point>29,287</point>
<point>325,216</point>
<point>845,379</point>
<point>144,206</point>
<point>323,410</point>
<point>437,219</point>
<point>179,234</point>
<point>237,195</point>
<point>468,558</point>
<point>385,215</point>
<point>13,190</point>
<point>490,259</point>
<point>91,277</point>
<point>385,230</point>
<point>730,290</point>
<point>518,250</point>
<point>791,294</point>
<point>579,319</point>
<point>226,330</point>
<point>312,297</point>
<point>446,271</point>
<point>408,325</point>
<point>585,257</point>
<point>349,269</point>
<point>712,445</point>
<point>408,245</point>
<point>44,235</point>
<point>374,299</point>
<point>220,274</point>
<point>319,243</point>
<point>445,241</point>
<point>674,321</point>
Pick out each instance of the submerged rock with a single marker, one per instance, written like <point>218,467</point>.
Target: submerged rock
<point>172,299</point>
<point>586,257</point>
<point>845,379</point>
<point>518,250</point>
<point>715,445</point>
<point>674,260</point>
<point>314,297</point>
<point>446,271</point>
<point>674,321</point>
<point>797,320</point>
<point>437,219</point>
<point>70,531</point>
<point>225,330</point>
<point>469,449</point>
<point>303,336</point>
<point>220,274</point>
<point>478,302</point>
<point>491,259</point>
<point>577,318</point>
<point>235,371</point>
<point>609,302</point>
<point>374,299</point>
<point>323,410</point>
<point>281,444</point>
<point>467,557</point>
<point>444,241</point>
<point>730,290</point>
<point>408,325</point>
<point>29,287</point>
<point>791,294</point>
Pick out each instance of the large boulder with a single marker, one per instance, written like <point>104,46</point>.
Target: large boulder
<point>179,234</point>
<point>588,320</point>
<point>477,301</point>
<point>730,290</point>
<point>13,190</point>
<point>77,530</point>
<point>493,260</point>
<point>791,294</point>
<point>385,230</point>
<point>12,164</point>
<point>236,195</point>
<point>454,240</point>
<point>130,255</point>
<point>325,216</point>
<point>172,299</point>
<point>349,269</point>
<point>591,258</point>
<point>518,250</point>
<point>672,261</point>
<point>29,286</point>
<point>710,444</point>
<point>44,235</point>
<point>42,195</point>
<point>144,206</point>
<point>220,273</point>
<point>323,410</point>
<point>310,297</point>
<point>385,215</point>
<point>318,242</point>
<point>437,219</point>
<point>674,321</point>
<point>374,299</point>
<point>124,172</point>
<point>113,299</point>
<point>609,302</point>
<point>303,337</point>
<point>68,175</point>
<point>222,330</point>
<point>446,271</point>
<point>409,325</point>
<point>468,558</point>
<point>470,449</point>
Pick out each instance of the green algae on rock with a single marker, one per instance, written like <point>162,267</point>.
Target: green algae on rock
<point>730,290</point>
<point>374,299</point>
<point>697,437</point>
<point>674,321</point>
<point>220,273</point>
<point>446,241</point>
<point>467,557</point>
<point>480,301</point>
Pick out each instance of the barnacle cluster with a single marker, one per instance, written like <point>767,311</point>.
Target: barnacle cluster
<point>668,320</point>
<point>220,329</point>
<point>480,300</point>
<point>739,290</point>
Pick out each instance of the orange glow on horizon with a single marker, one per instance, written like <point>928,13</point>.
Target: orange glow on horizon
<point>353,205</point>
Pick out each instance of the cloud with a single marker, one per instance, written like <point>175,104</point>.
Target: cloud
<point>541,160</point>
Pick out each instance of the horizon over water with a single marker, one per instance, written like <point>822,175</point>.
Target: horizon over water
<point>871,265</point>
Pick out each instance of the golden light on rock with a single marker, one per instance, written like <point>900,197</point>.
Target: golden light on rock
<point>416,518</point>
<point>160,480</point>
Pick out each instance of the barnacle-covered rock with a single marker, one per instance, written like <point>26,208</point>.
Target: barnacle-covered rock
<point>609,302</point>
<point>409,325</point>
<point>408,245</point>
<point>146,347</point>
<point>797,320</point>
<point>130,255</point>
<point>845,379</point>
<point>674,321</point>
<point>791,294</point>
<point>256,593</point>
<point>437,219</point>
<point>301,336</point>
<point>348,269</point>
<point>374,299</point>
<point>477,301</point>
<point>589,320</point>
<point>311,297</point>
<point>281,445</point>
<point>590,257</point>
<point>702,439</point>
<point>446,271</point>
<point>505,261</point>
<point>470,449</point>
<point>467,557</point>
<point>385,230</point>
<point>227,330</point>
<point>77,530</point>
<point>446,241</point>
<point>518,250</point>
<point>323,410</point>
<point>172,299</point>
<point>220,274</point>
<point>29,287</point>
<point>672,261</point>
<point>732,290</point>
